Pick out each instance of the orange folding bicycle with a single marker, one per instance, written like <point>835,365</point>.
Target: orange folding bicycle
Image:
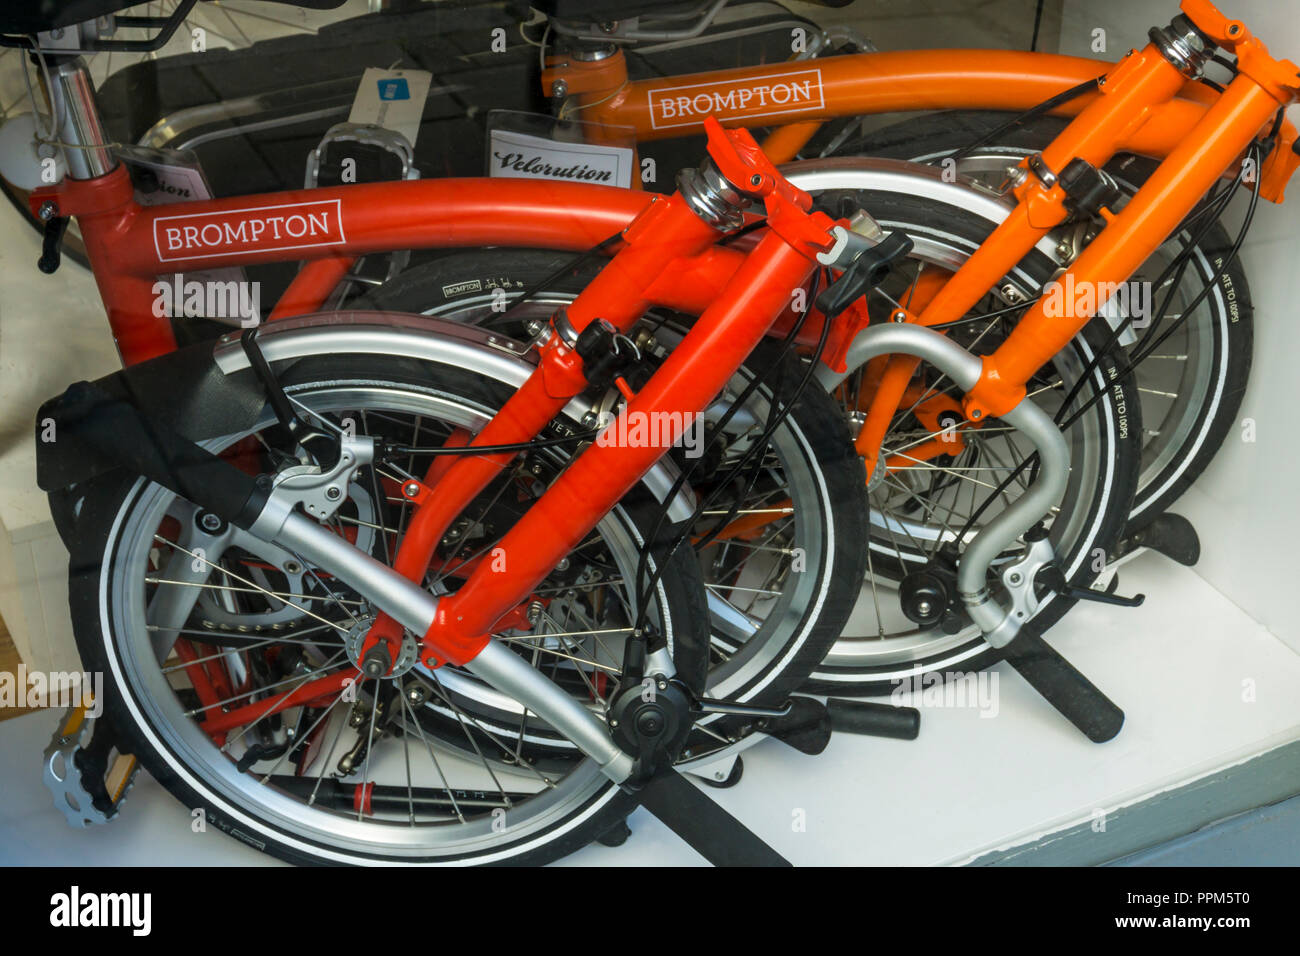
<point>1190,361</point>
<point>1191,388</point>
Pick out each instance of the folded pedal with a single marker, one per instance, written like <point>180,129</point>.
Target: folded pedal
<point>82,769</point>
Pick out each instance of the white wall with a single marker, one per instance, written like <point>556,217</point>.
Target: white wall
<point>1245,506</point>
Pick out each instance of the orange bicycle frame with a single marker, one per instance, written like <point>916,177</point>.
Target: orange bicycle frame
<point>1140,82</point>
<point>870,83</point>
<point>1143,105</point>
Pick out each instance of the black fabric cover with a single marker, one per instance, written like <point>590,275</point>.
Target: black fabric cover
<point>184,392</point>
<point>36,16</point>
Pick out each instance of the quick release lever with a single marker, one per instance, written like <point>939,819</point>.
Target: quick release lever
<point>864,272</point>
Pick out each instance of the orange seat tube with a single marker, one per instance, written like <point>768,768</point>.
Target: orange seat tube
<point>784,142</point>
<point>889,393</point>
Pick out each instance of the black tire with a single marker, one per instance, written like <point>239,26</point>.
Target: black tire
<point>1093,513</point>
<point>1182,437</point>
<point>105,512</point>
<point>462,287</point>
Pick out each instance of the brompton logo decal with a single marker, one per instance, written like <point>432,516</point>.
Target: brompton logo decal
<point>246,231</point>
<point>776,95</point>
<point>460,288</point>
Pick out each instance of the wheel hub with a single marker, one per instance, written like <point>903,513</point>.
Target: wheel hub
<point>355,640</point>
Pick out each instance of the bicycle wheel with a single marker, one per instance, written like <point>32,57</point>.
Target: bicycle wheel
<point>1192,387</point>
<point>926,498</point>
<point>784,577</point>
<point>339,780</point>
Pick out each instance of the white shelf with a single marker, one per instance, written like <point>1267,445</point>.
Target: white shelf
<point>969,785</point>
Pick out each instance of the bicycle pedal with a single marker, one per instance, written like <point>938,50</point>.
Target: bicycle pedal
<point>806,726</point>
<point>871,719</point>
<point>87,789</point>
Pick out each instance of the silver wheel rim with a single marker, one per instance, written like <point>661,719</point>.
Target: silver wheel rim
<point>181,741</point>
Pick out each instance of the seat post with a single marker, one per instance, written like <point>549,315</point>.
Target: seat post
<point>72,98</point>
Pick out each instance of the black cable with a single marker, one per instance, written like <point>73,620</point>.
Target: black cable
<point>543,284</point>
<point>1209,286</point>
<point>1046,106</point>
<point>1230,65</point>
<point>686,473</point>
<point>1038,21</point>
<point>582,258</point>
<point>756,448</point>
<point>497,449</point>
<point>645,594</point>
<point>1176,268</point>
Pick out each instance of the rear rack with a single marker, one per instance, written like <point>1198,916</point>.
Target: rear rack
<point>84,37</point>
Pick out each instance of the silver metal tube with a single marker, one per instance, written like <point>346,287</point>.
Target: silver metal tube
<point>414,608</point>
<point>998,625</point>
<point>73,101</point>
<point>405,601</point>
<point>510,673</point>
<point>926,344</point>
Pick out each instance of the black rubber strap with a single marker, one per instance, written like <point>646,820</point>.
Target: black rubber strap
<point>710,830</point>
<point>1062,686</point>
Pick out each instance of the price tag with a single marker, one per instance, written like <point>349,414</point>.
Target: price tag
<point>393,99</point>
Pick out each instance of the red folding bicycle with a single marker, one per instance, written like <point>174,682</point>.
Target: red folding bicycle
<point>557,667</point>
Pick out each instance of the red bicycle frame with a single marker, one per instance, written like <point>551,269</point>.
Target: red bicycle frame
<point>738,295</point>
<point>752,297</point>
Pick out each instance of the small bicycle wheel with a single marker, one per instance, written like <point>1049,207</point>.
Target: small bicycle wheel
<point>1191,387</point>
<point>194,622</point>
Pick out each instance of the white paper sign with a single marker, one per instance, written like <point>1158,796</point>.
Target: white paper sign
<point>518,155</point>
<point>393,99</point>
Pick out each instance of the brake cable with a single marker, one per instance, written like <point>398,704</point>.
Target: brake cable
<point>1034,112</point>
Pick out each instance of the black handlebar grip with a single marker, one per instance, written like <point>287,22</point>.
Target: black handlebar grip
<point>1062,686</point>
<point>872,719</point>
<point>115,431</point>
